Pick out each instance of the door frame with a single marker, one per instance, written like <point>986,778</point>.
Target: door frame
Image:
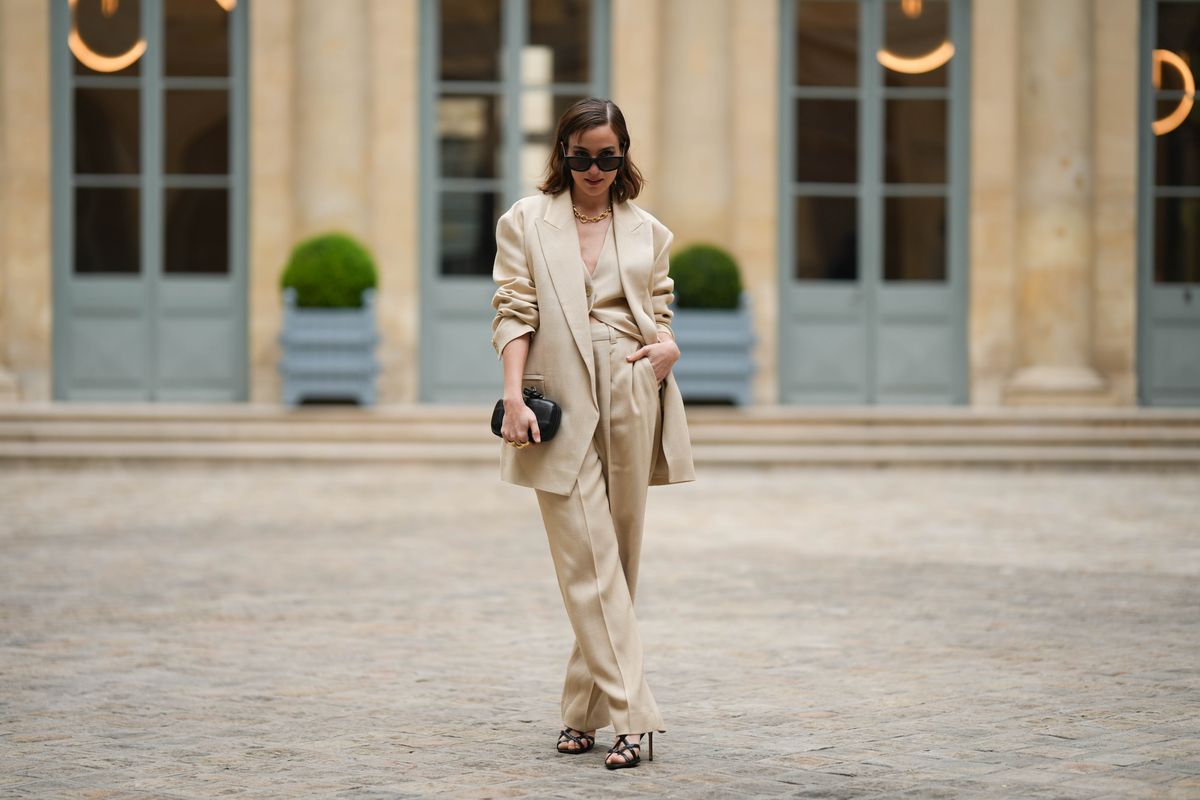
<point>476,291</point>
<point>1147,193</point>
<point>150,182</point>
<point>870,185</point>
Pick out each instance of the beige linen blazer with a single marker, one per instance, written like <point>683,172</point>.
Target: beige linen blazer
<point>541,291</point>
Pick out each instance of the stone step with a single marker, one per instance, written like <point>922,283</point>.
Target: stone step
<point>697,415</point>
<point>203,452</point>
<point>39,433</point>
<point>467,431</point>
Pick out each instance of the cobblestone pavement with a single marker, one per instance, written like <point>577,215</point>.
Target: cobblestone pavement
<point>394,632</point>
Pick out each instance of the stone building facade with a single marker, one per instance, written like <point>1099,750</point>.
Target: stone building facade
<point>1013,224</point>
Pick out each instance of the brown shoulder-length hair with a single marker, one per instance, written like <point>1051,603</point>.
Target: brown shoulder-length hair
<point>583,115</point>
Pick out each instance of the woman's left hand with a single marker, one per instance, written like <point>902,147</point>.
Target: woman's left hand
<point>662,355</point>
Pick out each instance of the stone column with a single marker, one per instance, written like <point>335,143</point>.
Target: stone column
<point>636,64</point>
<point>332,113</point>
<point>273,215</point>
<point>1054,217</point>
<point>8,387</point>
<point>26,269</point>
<point>695,172</point>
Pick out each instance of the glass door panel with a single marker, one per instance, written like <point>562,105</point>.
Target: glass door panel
<point>1169,218</point>
<point>497,75</point>
<point>149,199</point>
<point>872,287</point>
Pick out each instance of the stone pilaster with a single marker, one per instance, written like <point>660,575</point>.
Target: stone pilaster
<point>395,184</point>
<point>754,212</point>
<point>695,167</point>
<point>1054,217</point>
<point>272,184</point>
<point>26,274</point>
<point>331,60</point>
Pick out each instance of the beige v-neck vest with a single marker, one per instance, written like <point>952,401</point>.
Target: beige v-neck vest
<point>606,298</point>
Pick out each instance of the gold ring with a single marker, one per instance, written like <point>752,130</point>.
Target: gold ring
<point>519,445</point>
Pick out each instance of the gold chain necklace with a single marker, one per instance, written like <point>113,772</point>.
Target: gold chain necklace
<point>586,218</point>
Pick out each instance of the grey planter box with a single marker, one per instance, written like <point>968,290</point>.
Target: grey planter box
<point>328,353</point>
<point>716,353</point>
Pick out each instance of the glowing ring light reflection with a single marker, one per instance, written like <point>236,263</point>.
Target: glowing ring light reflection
<point>917,64</point>
<point>101,63</point>
<point>1176,117</point>
<point>93,60</point>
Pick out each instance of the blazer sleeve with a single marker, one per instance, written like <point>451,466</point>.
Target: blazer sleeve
<point>515,300</point>
<point>662,286</point>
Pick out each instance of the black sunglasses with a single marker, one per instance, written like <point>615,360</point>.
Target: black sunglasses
<point>584,163</point>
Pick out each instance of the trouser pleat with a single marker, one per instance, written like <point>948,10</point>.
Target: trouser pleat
<point>595,537</point>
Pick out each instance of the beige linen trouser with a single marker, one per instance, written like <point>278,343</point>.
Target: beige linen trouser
<point>595,537</point>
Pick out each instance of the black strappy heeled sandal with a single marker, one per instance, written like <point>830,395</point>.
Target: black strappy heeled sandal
<point>565,736</point>
<point>624,747</point>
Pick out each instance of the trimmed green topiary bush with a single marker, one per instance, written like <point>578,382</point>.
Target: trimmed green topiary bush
<point>330,270</point>
<point>705,276</point>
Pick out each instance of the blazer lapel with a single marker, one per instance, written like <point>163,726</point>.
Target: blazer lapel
<point>560,249</point>
<point>635,259</point>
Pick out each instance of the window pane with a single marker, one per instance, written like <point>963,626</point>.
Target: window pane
<point>915,141</point>
<point>915,36</point>
<point>1179,32</point>
<point>826,238</point>
<point>1177,151</point>
<point>107,131</point>
<point>197,38</point>
<point>106,36</point>
<point>197,132</point>
<point>469,135</point>
<point>106,231</point>
<point>467,232</point>
<point>197,230</point>
<point>470,40</point>
<point>827,140</point>
<point>559,38</point>
<point>914,243</point>
<point>826,43</point>
<point>1177,240</point>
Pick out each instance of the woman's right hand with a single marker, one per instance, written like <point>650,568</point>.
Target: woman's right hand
<point>519,422</point>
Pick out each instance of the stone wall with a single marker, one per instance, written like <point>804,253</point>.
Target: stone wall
<point>25,246</point>
<point>334,110</point>
<point>1053,202</point>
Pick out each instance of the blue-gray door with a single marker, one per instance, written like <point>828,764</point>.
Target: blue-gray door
<point>1169,218</point>
<point>496,75</point>
<point>873,202</point>
<point>149,200</point>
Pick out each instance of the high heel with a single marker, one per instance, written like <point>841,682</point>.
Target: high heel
<point>634,750</point>
<point>583,741</point>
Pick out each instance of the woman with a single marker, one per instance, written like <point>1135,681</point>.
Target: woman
<point>582,315</point>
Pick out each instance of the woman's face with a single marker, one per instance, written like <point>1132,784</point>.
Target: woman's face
<point>594,183</point>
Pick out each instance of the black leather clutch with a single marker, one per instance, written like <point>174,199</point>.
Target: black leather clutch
<point>548,414</point>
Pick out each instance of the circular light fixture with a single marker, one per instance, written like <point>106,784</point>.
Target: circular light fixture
<point>916,65</point>
<point>1173,120</point>
<point>101,63</point>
